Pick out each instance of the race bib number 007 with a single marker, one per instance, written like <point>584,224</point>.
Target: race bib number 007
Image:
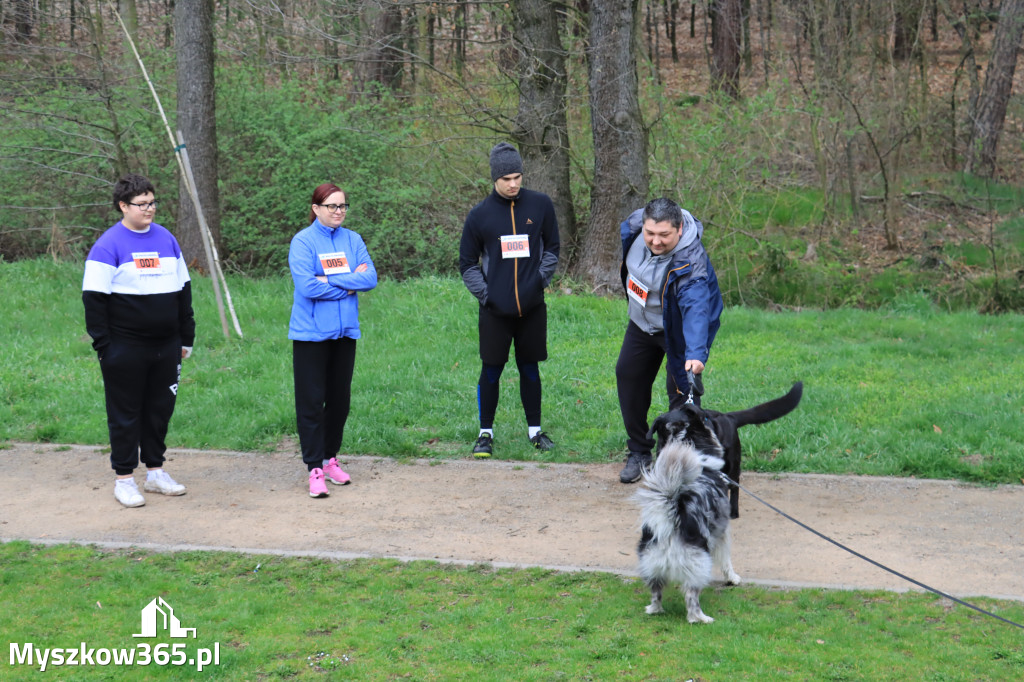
<point>334,263</point>
<point>636,291</point>
<point>147,262</point>
<point>515,246</point>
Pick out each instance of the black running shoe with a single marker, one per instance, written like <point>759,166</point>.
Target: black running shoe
<point>482,447</point>
<point>635,464</point>
<point>542,442</point>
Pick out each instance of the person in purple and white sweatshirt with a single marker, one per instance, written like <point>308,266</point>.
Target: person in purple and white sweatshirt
<point>138,310</point>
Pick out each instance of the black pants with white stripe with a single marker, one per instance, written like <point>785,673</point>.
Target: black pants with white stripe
<point>140,384</point>
<point>323,394</point>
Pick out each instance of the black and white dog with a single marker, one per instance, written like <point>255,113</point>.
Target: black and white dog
<point>726,426</point>
<point>684,517</point>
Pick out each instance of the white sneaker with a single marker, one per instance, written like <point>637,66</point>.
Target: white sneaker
<point>127,493</point>
<point>159,482</point>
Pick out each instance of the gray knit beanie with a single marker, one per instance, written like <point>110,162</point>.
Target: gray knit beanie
<point>505,160</point>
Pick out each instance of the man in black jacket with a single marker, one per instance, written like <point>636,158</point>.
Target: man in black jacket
<point>508,254</point>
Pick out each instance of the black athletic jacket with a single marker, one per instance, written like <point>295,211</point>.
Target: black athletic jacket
<point>509,286</point>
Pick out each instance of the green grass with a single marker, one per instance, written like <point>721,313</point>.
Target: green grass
<point>902,391</point>
<point>299,618</point>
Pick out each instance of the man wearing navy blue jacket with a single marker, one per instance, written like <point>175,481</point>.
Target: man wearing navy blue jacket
<point>507,256</point>
<point>674,310</point>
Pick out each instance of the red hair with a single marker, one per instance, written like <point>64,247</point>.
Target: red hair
<point>320,195</point>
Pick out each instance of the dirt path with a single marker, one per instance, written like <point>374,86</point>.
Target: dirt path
<point>963,540</point>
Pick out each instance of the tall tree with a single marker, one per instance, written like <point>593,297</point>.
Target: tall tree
<point>193,46</point>
<point>987,121</point>
<point>380,61</point>
<point>621,175</point>
<point>23,20</point>
<point>541,129</point>
<point>726,31</point>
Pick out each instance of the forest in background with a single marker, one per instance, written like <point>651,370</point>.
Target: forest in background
<point>829,146</point>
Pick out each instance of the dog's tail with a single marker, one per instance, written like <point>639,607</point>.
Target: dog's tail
<point>675,472</point>
<point>771,410</point>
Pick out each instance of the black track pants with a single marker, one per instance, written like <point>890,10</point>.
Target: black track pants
<point>323,394</point>
<point>140,384</point>
<point>635,373</point>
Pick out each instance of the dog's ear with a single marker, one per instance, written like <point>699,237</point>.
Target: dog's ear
<point>658,427</point>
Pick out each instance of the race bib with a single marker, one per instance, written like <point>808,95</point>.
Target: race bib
<point>636,291</point>
<point>515,246</point>
<point>147,262</point>
<point>334,263</point>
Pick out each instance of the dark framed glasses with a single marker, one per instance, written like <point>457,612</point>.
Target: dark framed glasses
<point>334,208</point>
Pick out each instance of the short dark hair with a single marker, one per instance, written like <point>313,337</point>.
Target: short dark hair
<point>664,210</point>
<point>129,187</point>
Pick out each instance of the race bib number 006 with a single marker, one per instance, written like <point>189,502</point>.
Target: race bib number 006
<point>515,246</point>
<point>334,263</point>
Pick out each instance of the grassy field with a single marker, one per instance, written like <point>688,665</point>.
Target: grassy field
<point>902,391</point>
<point>302,619</point>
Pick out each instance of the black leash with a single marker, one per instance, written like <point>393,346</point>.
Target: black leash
<point>696,385</point>
<point>875,563</point>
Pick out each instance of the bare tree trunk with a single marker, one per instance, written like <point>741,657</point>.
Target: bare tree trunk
<point>725,47</point>
<point>23,20</point>
<point>621,176</point>
<point>987,123</point>
<point>130,17</point>
<point>671,15</point>
<point>193,47</point>
<point>906,29</point>
<point>381,60</point>
<point>541,128</point>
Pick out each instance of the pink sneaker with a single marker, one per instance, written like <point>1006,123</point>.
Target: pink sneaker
<point>334,474</point>
<point>317,487</point>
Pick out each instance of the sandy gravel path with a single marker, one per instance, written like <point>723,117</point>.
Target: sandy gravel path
<point>963,540</point>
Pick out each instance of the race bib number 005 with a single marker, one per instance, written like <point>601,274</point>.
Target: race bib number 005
<point>636,291</point>
<point>334,263</point>
<point>515,246</point>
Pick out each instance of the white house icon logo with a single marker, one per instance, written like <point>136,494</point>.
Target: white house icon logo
<point>159,614</point>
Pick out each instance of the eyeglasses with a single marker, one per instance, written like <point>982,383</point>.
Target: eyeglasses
<point>334,208</point>
<point>145,205</point>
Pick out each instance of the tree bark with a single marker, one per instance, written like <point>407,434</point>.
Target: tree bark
<point>193,46</point>
<point>23,20</point>
<point>541,130</point>
<point>726,30</point>
<point>621,176</point>
<point>380,65</point>
<point>987,122</point>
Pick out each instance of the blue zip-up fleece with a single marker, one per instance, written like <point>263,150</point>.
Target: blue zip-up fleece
<point>327,310</point>
<point>691,300</point>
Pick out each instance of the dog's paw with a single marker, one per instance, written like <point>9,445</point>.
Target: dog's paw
<point>732,578</point>
<point>699,617</point>
<point>653,609</point>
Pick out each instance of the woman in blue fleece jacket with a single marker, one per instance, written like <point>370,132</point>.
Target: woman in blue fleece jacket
<point>329,265</point>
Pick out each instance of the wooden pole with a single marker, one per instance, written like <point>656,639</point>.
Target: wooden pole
<point>216,275</point>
